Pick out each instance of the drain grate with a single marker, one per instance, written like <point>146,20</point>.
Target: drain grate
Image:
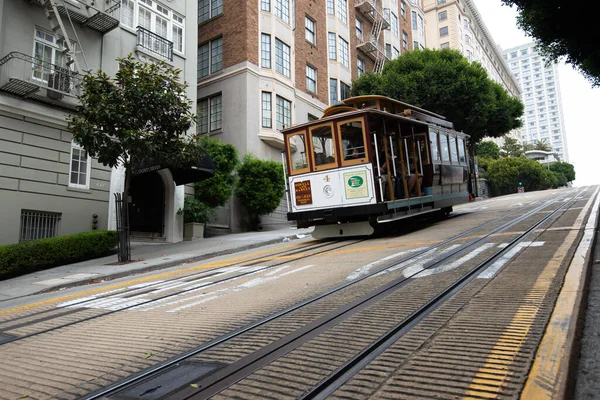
<point>161,385</point>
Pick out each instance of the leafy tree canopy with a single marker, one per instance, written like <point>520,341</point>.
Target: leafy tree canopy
<point>445,82</point>
<point>142,113</point>
<point>260,187</point>
<point>511,148</point>
<point>505,174</point>
<point>487,149</point>
<point>215,191</point>
<point>545,22</point>
<point>568,170</point>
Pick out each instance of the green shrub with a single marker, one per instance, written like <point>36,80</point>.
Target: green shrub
<point>22,258</point>
<point>260,187</point>
<point>215,191</point>
<point>196,211</point>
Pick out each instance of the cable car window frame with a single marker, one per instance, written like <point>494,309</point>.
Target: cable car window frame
<point>437,157</point>
<point>461,142</point>
<point>322,167</point>
<point>290,169</point>
<point>365,158</point>
<point>453,146</point>
<point>441,136</point>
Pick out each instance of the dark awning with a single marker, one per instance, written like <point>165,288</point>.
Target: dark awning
<point>191,171</point>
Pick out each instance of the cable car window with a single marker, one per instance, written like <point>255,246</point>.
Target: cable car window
<point>353,140</point>
<point>444,147</point>
<point>297,152</point>
<point>323,147</point>
<point>461,151</point>
<point>453,149</point>
<point>433,141</point>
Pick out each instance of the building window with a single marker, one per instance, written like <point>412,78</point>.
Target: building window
<point>266,110</point>
<point>178,30</point>
<point>343,11</point>
<point>388,50</point>
<point>210,57</point>
<point>443,16</point>
<point>208,9</point>
<point>282,58</point>
<point>79,173</point>
<point>265,50</point>
<point>394,25</point>
<point>414,20</point>
<point>332,46</point>
<point>404,40</point>
<point>421,27</point>
<point>359,29</point>
<point>127,12</point>
<point>46,50</point>
<point>309,25</point>
<point>344,53</point>
<point>403,9</point>
<point>395,52</point>
<point>282,10</point>
<point>38,225</point>
<point>311,79</point>
<point>333,91</point>
<point>440,2</point>
<point>360,64</point>
<point>344,91</point>
<point>210,114</point>
<point>330,7</point>
<point>284,113</point>
<point>444,31</point>
<point>265,5</point>
<point>524,52</point>
<point>415,45</point>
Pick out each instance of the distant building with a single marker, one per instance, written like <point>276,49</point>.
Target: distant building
<point>543,120</point>
<point>457,25</point>
<point>543,157</point>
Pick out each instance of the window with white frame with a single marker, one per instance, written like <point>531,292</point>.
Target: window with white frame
<point>79,171</point>
<point>283,113</point>
<point>282,58</point>
<point>421,26</point>
<point>210,115</point>
<point>415,45</point>
<point>265,50</point>
<point>414,20</point>
<point>445,45</point>
<point>265,5</point>
<point>266,110</point>
<point>46,51</point>
<point>395,30</point>
<point>403,9</point>
<point>156,18</point>
<point>395,52</point>
<point>443,31</point>
<point>310,29</point>
<point>360,65</point>
<point>330,7</point>
<point>311,79</point>
<point>333,91</point>
<point>343,11</point>
<point>332,45</point>
<point>344,53</point>
<point>282,10</point>
<point>210,57</point>
<point>208,9</point>
<point>404,40</point>
<point>359,29</point>
<point>344,90</point>
<point>442,16</point>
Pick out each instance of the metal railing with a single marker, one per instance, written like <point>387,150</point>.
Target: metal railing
<point>24,75</point>
<point>154,43</point>
<point>38,225</point>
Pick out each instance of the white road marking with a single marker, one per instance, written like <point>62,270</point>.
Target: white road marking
<point>491,271</point>
<point>366,268</point>
<point>455,264</point>
<point>420,265</point>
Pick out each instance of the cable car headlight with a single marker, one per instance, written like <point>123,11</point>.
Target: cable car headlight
<point>328,191</point>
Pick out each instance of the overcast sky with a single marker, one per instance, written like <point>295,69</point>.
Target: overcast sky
<point>580,102</point>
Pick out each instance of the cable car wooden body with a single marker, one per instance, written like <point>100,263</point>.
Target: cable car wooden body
<point>372,160</point>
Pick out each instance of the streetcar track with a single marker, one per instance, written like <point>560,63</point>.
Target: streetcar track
<point>238,332</point>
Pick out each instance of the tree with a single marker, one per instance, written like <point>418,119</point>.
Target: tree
<point>260,187</point>
<point>568,170</point>
<point>215,191</point>
<point>487,149</point>
<point>505,174</point>
<point>511,148</point>
<point>142,114</point>
<point>545,22</point>
<point>542,145</point>
<point>445,82</point>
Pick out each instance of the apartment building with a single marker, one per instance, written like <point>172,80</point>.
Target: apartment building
<point>543,120</point>
<point>49,186</point>
<point>269,64</point>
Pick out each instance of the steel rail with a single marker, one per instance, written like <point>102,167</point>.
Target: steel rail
<point>358,362</point>
<point>144,374</point>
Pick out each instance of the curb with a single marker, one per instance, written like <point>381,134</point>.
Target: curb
<point>166,264</point>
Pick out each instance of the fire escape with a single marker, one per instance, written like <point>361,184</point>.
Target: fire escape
<point>369,43</point>
<point>58,83</point>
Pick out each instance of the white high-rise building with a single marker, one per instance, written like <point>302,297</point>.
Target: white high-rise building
<point>543,118</point>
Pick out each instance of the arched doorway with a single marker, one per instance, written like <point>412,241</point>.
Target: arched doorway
<point>147,206</point>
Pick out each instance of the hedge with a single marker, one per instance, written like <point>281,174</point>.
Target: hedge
<point>22,258</point>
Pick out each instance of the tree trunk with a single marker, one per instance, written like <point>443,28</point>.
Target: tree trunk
<point>125,244</point>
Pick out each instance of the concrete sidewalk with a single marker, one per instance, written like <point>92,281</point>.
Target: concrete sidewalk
<point>150,257</point>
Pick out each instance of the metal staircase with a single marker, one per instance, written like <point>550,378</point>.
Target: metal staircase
<point>57,26</point>
<point>373,11</point>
